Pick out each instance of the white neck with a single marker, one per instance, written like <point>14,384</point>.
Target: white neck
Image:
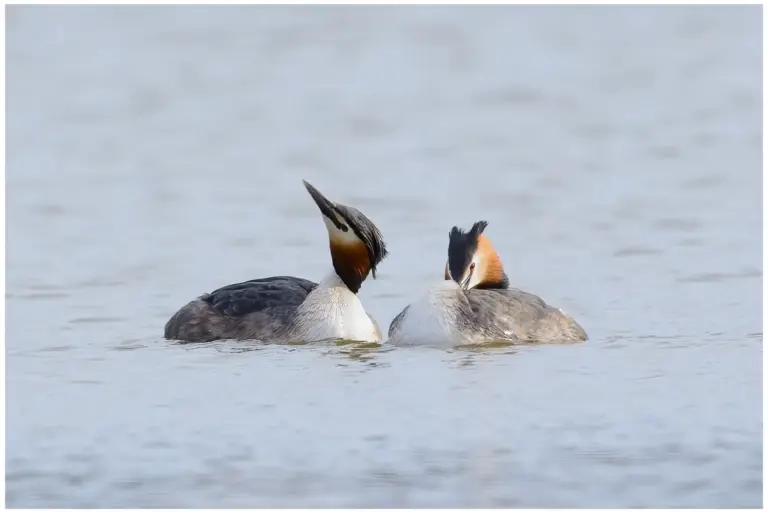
<point>333,311</point>
<point>332,280</point>
<point>432,318</point>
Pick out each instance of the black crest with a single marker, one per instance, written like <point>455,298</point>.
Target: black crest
<point>367,232</point>
<point>461,248</point>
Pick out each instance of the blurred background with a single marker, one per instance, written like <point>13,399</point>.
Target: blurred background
<point>156,153</point>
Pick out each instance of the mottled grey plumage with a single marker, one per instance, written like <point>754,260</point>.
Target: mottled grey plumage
<point>483,315</point>
<point>397,322</point>
<point>257,309</point>
<point>518,315</point>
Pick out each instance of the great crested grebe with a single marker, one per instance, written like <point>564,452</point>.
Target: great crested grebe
<point>285,308</point>
<point>474,303</point>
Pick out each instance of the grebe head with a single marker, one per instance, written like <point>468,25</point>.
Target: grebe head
<point>472,261</point>
<point>357,246</point>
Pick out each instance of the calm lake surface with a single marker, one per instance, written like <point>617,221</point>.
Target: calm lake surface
<point>154,154</point>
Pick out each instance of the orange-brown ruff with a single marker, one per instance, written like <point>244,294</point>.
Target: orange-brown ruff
<point>478,305</point>
<point>489,269</point>
<point>351,257</point>
<point>286,308</point>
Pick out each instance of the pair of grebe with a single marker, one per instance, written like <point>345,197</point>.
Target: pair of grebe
<point>473,304</point>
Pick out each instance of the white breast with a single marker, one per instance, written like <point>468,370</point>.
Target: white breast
<point>333,311</point>
<point>431,319</point>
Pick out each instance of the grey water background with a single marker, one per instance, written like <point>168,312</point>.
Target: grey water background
<point>155,153</point>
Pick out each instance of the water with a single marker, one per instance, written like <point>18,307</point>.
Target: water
<point>157,153</point>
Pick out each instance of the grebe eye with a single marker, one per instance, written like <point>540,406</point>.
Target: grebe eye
<point>472,266</point>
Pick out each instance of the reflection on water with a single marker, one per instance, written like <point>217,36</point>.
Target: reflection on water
<point>157,153</point>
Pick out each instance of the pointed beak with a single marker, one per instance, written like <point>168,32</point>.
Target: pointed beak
<point>465,284</point>
<point>325,206</point>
